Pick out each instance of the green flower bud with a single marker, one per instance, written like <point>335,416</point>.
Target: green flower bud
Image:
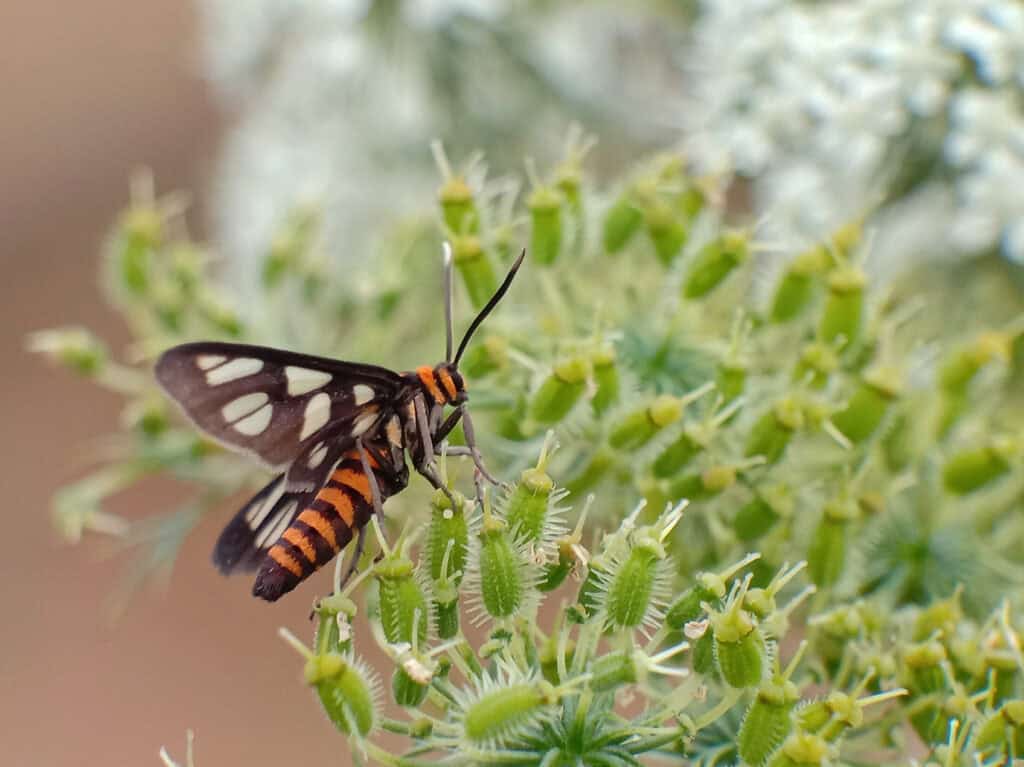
<point>705,484</point>
<point>868,405</point>
<point>457,206</point>
<point>403,603</point>
<point>1004,730</point>
<point>923,665</point>
<point>768,720</point>
<point>677,455</point>
<point>667,232</point>
<point>714,263</point>
<point>803,749</point>
<point>826,555</point>
<point>528,504</point>
<point>963,365</point>
<point>502,583</point>
<point>606,376</point>
<point>545,204</point>
<point>638,428</point>
<point>475,268</point>
<point>140,234</point>
<point>740,648</point>
<point>796,288</point>
<point>345,690</point>
<point>817,362</point>
<point>621,221</point>
<point>975,468</point>
<point>756,517</point>
<point>770,435</point>
<point>844,308</point>
<point>703,655</point>
<point>500,712</point>
<point>560,391</point>
<point>597,468</point>
<point>731,379</point>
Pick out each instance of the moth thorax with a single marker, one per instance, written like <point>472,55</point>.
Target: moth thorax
<point>442,383</point>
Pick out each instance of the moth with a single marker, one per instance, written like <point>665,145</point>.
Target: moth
<point>337,435</point>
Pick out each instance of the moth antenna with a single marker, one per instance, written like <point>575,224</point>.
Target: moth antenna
<point>449,340</point>
<point>498,295</point>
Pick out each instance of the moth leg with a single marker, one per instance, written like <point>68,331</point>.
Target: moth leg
<point>426,465</point>
<point>356,556</point>
<point>478,461</point>
<point>375,496</point>
<point>446,428</point>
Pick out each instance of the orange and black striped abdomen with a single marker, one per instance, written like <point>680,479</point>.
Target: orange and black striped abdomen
<point>328,523</point>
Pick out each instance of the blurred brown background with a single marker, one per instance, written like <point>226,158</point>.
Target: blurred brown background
<point>91,91</point>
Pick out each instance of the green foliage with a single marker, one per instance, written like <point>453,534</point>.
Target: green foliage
<point>632,364</point>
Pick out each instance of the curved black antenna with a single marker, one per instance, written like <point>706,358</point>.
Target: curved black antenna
<point>448,341</point>
<point>498,294</point>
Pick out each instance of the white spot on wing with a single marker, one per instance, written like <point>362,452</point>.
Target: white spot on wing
<point>304,380</point>
<point>318,412</point>
<point>275,529</point>
<point>362,393</point>
<point>255,423</point>
<point>207,361</point>
<point>258,513</point>
<point>239,367</point>
<point>244,405</point>
<point>317,456</point>
<point>364,422</point>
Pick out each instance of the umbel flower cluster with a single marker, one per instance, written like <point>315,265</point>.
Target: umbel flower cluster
<point>778,533</point>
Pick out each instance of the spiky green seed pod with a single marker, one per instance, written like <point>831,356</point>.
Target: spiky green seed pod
<point>497,713</point>
<point>332,614</point>
<point>458,207</point>
<point>596,469</point>
<point>1004,730</point>
<point>560,391</point>
<point>709,587</point>
<point>714,263</point>
<point>606,376</point>
<point>730,379</point>
<point>140,233</point>
<point>702,657</point>
<point>526,511</point>
<point>975,468</point>
<point>502,586</point>
<point>485,356</point>
<point>621,221</point>
<point>588,599</point>
<point>760,514</point>
<point>803,749</point>
<point>447,533</point>
<point>677,455</point>
<point>796,288</point>
<point>960,368</point>
<point>636,429</point>
<point>923,665</point>
<point>630,587</point>
<point>403,603</point>
<point>668,232</point>
<point>770,435</point>
<point>613,671</point>
<point>868,404</point>
<point>345,691</point>
<point>843,314</point>
<point>826,554</point>
<point>768,720</point>
<point>474,266</point>
<point>739,648</point>
<point>545,205</point>
<point>817,363</point>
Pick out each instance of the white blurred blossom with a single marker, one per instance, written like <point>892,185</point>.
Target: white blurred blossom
<point>337,101</point>
<point>911,107</point>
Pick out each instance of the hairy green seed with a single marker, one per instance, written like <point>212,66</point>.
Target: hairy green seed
<point>628,595</point>
<point>621,221</point>
<point>560,391</point>
<point>403,605</point>
<point>343,691</point>
<point>714,263</point>
<point>606,376</point>
<point>803,749</point>
<point>501,577</point>
<point>638,428</point>
<point>497,713</point>
<point>545,205</point>
<point>457,206</point>
<point>768,721</point>
<point>527,508</point>
<point>474,266</point>
<point>844,308</point>
<point>667,232</point>
<point>975,468</point>
<point>613,671</point>
<point>677,455</point>
<point>730,379</point>
<point>826,555</point>
<point>406,690</point>
<point>867,405</point>
<point>740,660</point>
<point>796,288</point>
<point>770,435</point>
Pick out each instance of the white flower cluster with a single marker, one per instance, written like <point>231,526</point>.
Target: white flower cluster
<point>914,108</point>
<point>338,101</point>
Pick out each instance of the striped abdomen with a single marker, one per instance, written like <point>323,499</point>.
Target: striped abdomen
<point>340,509</point>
